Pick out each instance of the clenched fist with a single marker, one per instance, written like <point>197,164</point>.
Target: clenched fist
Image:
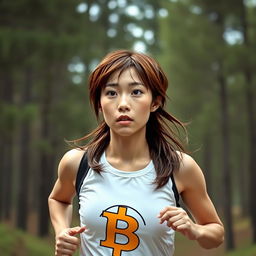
<point>66,242</point>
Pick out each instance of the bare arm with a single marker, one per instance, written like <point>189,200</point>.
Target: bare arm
<point>60,203</point>
<point>206,228</point>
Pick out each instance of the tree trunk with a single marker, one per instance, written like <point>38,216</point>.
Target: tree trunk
<point>251,123</point>
<point>207,157</point>
<point>46,166</point>
<point>242,174</point>
<point>252,151</point>
<point>46,163</point>
<point>7,180</point>
<point>6,172</point>
<point>24,170</point>
<point>227,195</point>
<point>2,144</point>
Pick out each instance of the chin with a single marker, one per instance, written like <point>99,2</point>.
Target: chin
<point>124,132</point>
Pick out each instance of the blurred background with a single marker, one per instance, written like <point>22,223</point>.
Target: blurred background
<point>48,49</point>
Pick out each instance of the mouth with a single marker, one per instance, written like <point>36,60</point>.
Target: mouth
<point>124,118</point>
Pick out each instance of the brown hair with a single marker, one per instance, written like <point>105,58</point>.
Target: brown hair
<point>162,127</point>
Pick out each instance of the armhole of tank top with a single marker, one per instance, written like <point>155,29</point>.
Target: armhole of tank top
<point>81,173</point>
<point>175,191</point>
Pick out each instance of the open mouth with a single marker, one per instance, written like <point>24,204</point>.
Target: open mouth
<point>124,118</point>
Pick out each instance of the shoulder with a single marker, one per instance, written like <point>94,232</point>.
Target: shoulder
<point>189,175</point>
<point>187,162</point>
<point>69,164</point>
<point>64,188</point>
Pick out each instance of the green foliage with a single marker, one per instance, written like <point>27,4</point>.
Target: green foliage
<point>9,117</point>
<point>246,251</point>
<point>44,145</point>
<point>14,242</point>
<point>29,112</point>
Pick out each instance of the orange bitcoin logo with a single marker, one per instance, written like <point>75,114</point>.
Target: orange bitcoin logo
<point>112,230</point>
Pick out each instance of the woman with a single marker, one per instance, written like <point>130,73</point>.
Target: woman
<point>129,196</point>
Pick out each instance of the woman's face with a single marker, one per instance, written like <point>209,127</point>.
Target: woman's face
<point>126,103</point>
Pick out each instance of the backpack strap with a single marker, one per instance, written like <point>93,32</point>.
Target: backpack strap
<point>81,173</point>
<point>175,191</point>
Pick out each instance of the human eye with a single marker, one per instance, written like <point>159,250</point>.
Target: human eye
<point>137,92</point>
<point>111,93</point>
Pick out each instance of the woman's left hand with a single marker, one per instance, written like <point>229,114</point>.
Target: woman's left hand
<point>178,219</point>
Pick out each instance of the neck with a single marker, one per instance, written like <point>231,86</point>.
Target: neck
<point>128,148</point>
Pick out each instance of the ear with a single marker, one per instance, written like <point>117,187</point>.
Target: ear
<point>155,104</point>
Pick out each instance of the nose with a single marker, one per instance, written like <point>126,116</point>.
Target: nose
<point>123,104</point>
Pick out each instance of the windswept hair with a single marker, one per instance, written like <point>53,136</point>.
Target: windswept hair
<point>162,129</point>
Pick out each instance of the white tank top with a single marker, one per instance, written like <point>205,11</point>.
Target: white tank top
<point>119,210</point>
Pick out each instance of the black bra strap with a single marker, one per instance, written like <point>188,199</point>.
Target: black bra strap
<point>175,191</point>
<point>81,173</point>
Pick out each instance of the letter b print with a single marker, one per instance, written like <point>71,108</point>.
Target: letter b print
<point>112,230</point>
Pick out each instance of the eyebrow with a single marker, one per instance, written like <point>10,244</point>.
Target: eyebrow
<point>130,84</point>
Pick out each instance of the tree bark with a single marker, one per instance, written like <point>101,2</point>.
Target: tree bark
<point>252,151</point>
<point>242,183</point>
<point>227,186</point>
<point>207,157</point>
<point>6,172</point>
<point>46,163</point>
<point>24,170</point>
<point>251,123</point>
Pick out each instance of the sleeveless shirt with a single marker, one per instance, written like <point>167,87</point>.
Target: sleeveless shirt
<point>119,210</point>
